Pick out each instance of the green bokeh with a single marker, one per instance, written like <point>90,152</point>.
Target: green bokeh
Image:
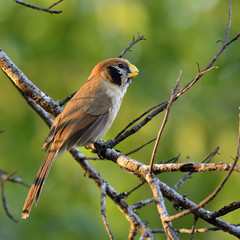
<point>57,53</point>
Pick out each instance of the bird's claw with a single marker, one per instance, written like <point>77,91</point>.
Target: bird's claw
<point>100,148</point>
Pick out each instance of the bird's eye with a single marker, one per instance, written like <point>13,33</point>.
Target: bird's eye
<point>121,65</point>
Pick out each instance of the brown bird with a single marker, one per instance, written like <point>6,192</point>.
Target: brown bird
<point>86,118</point>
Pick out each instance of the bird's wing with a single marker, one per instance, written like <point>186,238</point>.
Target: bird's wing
<point>78,123</point>
<point>79,127</point>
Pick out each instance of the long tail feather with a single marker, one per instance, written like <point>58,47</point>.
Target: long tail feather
<point>35,190</point>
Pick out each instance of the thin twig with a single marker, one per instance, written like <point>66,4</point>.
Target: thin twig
<point>199,75</point>
<point>211,155</point>
<point>194,227</point>
<point>54,4</point>
<point>139,148</point>
<point>143,203</point>
<point>138,118</point>
<point>126,194</point>
<point>182,180</point>
<point>226,37</point>
<point>6,176</point>
<point>229,23</point>
<point>226,209</point>
<point>40,8</point>
<point>103,210</point>
<point>188,175</point>
<point>4,201</point>
<point>233,39</point>
<point>62,102</point>
<point>173,160</point>
<point>164,122</point>
<point>131,45</point>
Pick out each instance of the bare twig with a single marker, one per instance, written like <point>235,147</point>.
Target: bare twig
<point>138,118</point>
<point>143,203</point>
<point>188,175</point>
<point>62,102</point>
<point>211,155</point>
<point>40,8</point>
<point>54,4</point>
<point>194,227</point>
<point>131,45</point>
<point>103,210</point>
<point>226,209</point>
<point>4,178</point>
<point>199,75</point>
<point>5,206</point>
<point>182,180</point>
<point>164,121</point>
<point>234,39</point>
<point>139,148</point>
<point>126,194</point>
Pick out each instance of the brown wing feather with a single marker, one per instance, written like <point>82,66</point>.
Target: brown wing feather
<point>50,137</point>
<point>70,125</point>
<point>89,134</point>
<point>81,110</point>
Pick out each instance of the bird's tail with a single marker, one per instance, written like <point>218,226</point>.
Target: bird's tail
<point>35,190</point>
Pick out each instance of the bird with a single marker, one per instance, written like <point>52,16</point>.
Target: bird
<point>86,118</point>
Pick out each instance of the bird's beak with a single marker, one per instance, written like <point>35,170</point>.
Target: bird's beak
<point>133,71</point>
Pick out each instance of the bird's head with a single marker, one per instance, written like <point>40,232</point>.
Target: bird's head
<point>116,70</point>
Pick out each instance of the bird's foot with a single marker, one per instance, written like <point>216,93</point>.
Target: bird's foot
<point>100,148</point>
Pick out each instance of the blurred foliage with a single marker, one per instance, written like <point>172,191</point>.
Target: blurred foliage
<point>57,53</point>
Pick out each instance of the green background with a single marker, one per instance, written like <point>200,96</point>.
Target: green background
<point>58,52</point>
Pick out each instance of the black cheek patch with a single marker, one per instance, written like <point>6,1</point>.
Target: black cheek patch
<point>115,75</point>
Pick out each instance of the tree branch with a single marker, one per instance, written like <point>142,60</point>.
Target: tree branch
<point>5,176</point>
<point>40,8</point>
<point>139,38</point>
